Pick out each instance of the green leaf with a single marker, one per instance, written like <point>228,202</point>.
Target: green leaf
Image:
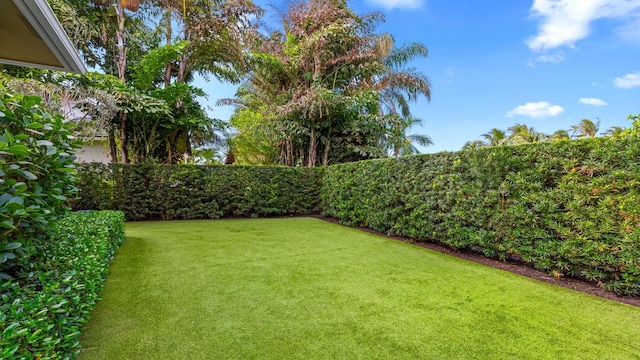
<point>8,224</point>
<point>4,198</point>
<point>15,200</point>
<point>51,150</point>
<point>12,245</point>
<point>19,188</point>
<point>35,132</point>
<point>17,149</point>
<point>44,143</point>
<point>20,212</point>
<point>27,174</point>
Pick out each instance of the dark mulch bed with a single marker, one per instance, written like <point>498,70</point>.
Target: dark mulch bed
<point>515,267</point>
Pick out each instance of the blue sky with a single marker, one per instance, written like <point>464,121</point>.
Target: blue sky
<point>544,63</point>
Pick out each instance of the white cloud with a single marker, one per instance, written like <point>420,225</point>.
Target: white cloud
<point>593,102</point>
<point>552,59</point>
<point>628,81</point>
<point>536,110</point>
<point>564,22</point>
<point>401,4</point>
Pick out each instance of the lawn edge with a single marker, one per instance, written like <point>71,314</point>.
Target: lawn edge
<point>519,268</point>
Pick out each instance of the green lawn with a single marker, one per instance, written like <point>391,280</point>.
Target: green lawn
<point>303,288</point>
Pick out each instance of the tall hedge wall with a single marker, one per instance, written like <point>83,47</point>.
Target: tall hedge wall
<point>569,208</point>
<point>154,191</point>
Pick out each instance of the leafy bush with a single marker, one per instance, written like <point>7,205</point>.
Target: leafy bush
<point>155,191</point>
<point>44,307</point>
<point>569,208</point>
<point>36,173</point>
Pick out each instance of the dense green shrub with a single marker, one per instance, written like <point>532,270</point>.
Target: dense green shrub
<point>43,308</point>
<point>36,173</point>
<point>156,191</point>
<point>569,208</point>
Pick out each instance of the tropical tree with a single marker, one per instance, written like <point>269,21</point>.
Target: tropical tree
<point>207,37</point>
<point>400,144</point>
<point>122,37</point>
<point>397,86</point>
<point>560,135</point>
<point>522,134</point>
<point>634,130</point>
<point>304,83</point>
<point>614,131</point>
<point>474,145</point>
<point>635,124</point>
<point>216,32</point>
<point>328,89</point>
<point>495,137</point>
<point>121,66</point>
<point>586,128</point>
<point>257,142</point>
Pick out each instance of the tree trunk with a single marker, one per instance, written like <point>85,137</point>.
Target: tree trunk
<point>122,68</point>
<point>170,152</point>
<point>123,138</point>
<point>122,50</point>
<point>283,153</point>
<point>182,66</point>
<point>112,146</point>
<point>188,146</point>
<point>325,155</point>
<point>168,69</point>
<point>290,160</point>
<point>173,151</point>
<point>313,146</point>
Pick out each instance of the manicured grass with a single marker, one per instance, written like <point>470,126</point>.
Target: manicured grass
<point>303,288</point>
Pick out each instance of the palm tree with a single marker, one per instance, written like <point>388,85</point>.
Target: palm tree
<point>522,134</point>
<point>614,131</point>
<point>560,135</point>
<point>495,137</point>
<point>586,128</point>
<point>474,145</point>
<point>397,84</point>
<point>401,144</point>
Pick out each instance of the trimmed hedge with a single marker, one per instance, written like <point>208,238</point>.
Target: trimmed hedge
<point>43,309</point>
<point>36,175</point>
<point>569,208</point>
<point>156,191</point>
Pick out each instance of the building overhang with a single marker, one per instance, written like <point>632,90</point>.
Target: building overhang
<point>31,35</point>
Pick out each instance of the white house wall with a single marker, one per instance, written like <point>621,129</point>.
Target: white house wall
<point>97,151</point>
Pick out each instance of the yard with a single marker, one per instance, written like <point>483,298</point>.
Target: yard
<point>302,288</point>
